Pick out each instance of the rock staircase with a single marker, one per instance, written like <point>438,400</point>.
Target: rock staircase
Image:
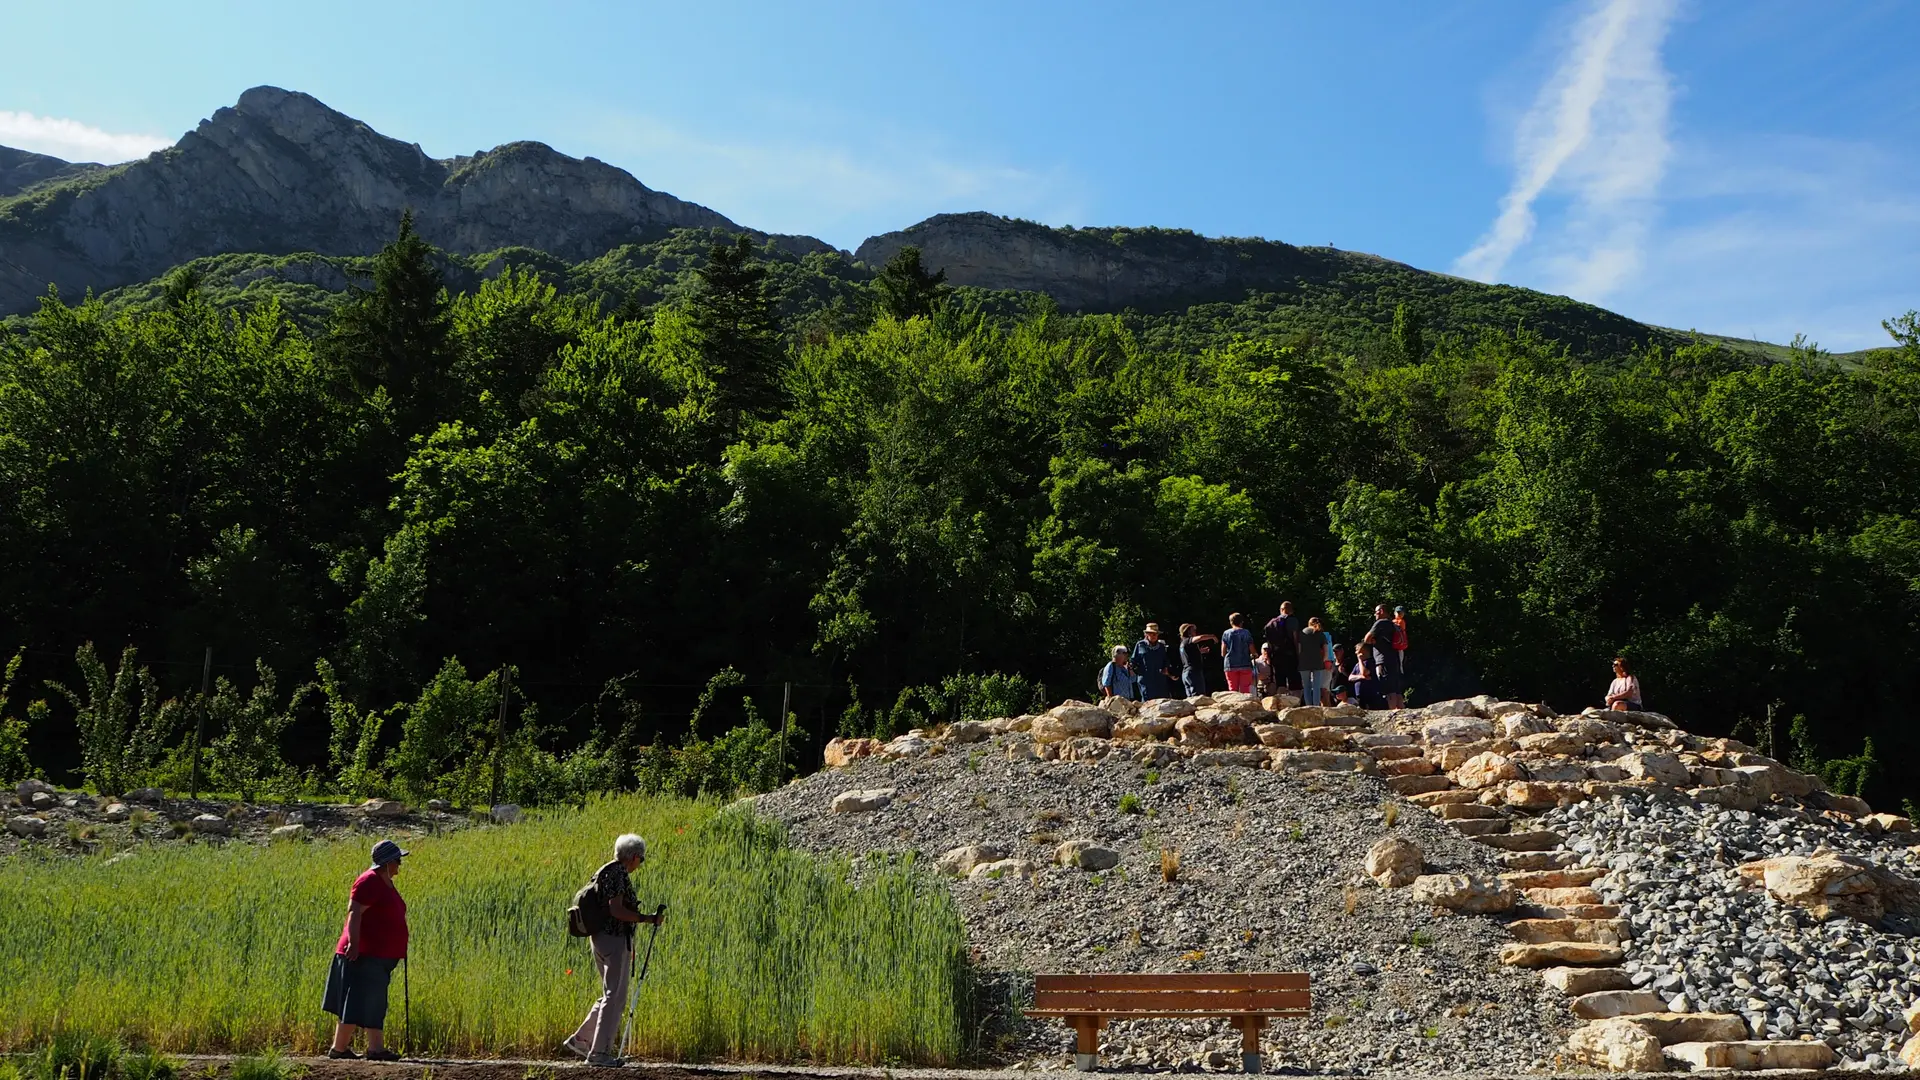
<point>1565,929</point>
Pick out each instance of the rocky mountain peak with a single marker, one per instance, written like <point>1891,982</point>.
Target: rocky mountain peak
<point>282,172</point>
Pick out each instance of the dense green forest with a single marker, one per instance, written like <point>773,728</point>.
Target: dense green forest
<point>668,490</point>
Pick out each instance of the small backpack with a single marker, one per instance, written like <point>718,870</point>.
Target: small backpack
<point>588,915</point>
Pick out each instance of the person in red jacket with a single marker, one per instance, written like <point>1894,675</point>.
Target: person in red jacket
<point>372,944</point>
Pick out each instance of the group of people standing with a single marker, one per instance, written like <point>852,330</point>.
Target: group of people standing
<point>1292,655</point>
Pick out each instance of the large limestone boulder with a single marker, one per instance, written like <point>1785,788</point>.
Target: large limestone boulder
<point>1459,729</point>
<point>1086,748</point>
<point>1486,770</point>
<point>1910,1053</point>
<point>1672,1027</point>
<point>968,731</point>
<point>1569,877</point>
<point>117,812</point>
<point>862,802</point>
<point>380,808</point>
<point>1323,761</point>
<point>911,745</point>
<point>1579,982</point>
<point>1395,863</point>
<point>1596,931</point>
<point>287,834</point>
<point>1326,738</point>
<point>1519,725</point>
<point>152,796</point>
<point>1540,794</point>
<point>1657,767</point>
<point>1156,755</point>
<point>1466,893</point>
<point>960,861</point>
<point>1616,1046</point>
<point>1086,855</point>
<point>1560,954</point>
<point>1454,755</point>
<point>1313,716</point>
<point>1170,708</point>
<point>1831,886</point>
<point>1407,766</point>
<point>1455,707</point>
<point>1281,736</point>
<point>1604,1004</point>
<point>1418,785</point>
<point>1003,869</point>
<point>1214,727</point>
<point>1749,1055</point>
<point>1554,742</point>
<point>1143,726</point>
<point>1072,720</point>
<point>1120,707</point>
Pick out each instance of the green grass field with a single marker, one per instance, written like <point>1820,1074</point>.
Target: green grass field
<point>767,954</point>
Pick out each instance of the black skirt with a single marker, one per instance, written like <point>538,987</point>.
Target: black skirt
<point>357,990</point>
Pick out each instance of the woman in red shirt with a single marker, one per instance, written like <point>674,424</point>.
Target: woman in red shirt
<point>372,944</point>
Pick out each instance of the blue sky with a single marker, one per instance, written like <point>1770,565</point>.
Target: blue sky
<point>1745,168</point>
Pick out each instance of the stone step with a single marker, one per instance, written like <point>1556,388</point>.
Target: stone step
<point>1561,897</point>
<point>1569,911</point>
<point>1372,739</point>
<point>1673,1027</point>
<point>1390,752</point>
<point>1462,811</point>
<point>1751,1054</point>
<point>1571,877</point>
<point>1579,981</point>
<point>1418,785</point>
<point>1602,1004</point>
<point>1595,931</point>
<point>1524,841</point>
<point>1538,860</point>
<point>1561,954</point>
<point>1437,798</point>
<point>1479,827</point>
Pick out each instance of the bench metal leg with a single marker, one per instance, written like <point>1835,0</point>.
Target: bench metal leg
<point>1250,1042</point>
<point>1086,1042</point>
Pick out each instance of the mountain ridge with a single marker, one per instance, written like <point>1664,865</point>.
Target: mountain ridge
<point>280,173</point>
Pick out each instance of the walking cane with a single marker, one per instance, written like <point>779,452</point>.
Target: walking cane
<point>406,1008</point>
<point>633,999</point>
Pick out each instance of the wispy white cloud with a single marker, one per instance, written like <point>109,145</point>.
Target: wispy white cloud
<point>835,192</point>
<point>73,140</point>
<point>1595,136</point>
<point>1769,236</point>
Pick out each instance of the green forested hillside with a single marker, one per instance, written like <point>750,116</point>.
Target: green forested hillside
<point>626,476</point>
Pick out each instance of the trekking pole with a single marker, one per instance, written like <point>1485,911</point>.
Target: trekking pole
<point>633,1000</point>
<point>406,1008</point>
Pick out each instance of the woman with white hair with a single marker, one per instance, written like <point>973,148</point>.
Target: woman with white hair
<point>612,950</point>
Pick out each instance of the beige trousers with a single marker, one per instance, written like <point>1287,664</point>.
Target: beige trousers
<point>613,956</point>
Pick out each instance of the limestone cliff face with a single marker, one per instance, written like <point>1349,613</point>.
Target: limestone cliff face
<point>281,172</point>
<point>1103,269</point>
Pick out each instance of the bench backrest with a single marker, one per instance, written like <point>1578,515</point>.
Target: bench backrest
<point>1268,993</point>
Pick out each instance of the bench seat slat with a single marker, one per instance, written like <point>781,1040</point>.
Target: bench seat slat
<point>1229,1001</point>
<point>1147,1014</point>
<point>1184,980</point>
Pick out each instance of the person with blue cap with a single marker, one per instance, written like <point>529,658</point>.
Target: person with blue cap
<point>372,944</point>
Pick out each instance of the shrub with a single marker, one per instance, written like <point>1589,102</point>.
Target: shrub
<point>267,1065</point>
<point>14,764</point>
<point>245,756</point>
<point>124,725</point>
<point>1130,803</point>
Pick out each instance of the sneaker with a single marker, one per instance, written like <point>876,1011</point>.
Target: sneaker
<point>342,1055</point>
<point>606,1061</point>
<point>574,1048</point>
<point>382,1054</point>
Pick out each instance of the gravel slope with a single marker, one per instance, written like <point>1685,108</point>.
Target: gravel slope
<point>1269,879</point>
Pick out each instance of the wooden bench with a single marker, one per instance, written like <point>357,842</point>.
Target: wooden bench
<point>1087,1002</point>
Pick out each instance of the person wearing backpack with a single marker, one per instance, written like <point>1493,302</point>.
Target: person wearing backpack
<point>607,910</point>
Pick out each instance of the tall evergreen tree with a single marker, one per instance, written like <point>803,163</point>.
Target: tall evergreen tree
<point>905,287</point>
<point>732,312</point>
<point>397,335</point>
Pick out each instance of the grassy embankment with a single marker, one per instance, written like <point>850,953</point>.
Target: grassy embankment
<point>767,954</point>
